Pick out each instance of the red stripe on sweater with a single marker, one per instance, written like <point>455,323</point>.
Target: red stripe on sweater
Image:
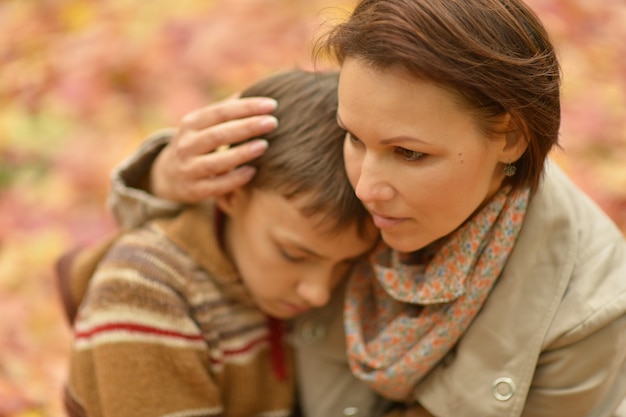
<point>244,349</point>
<point>136,328</point>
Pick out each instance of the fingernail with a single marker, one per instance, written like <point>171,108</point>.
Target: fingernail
<point>268,104</point>
<point>259,146</point>
<point>246,171</point>
<point>269,122</point>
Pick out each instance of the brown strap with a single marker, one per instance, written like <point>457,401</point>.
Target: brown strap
<point>63,271</point>
<point>73,271</point>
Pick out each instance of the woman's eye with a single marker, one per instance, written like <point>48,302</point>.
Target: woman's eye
<point>409,155</point>
<point>352,138</point>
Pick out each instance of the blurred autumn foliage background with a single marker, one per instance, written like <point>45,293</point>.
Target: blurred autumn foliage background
<point>82,82</point>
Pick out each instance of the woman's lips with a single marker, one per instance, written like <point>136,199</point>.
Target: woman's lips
<point>385,222</point>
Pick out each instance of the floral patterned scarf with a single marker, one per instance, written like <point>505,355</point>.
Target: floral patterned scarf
<point>403,315</point>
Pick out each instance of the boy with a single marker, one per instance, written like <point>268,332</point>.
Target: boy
<point>179,316</point>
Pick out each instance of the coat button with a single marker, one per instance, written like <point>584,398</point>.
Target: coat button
<point>312,333</point>
<point>350,411</point>
<point>503,388</point>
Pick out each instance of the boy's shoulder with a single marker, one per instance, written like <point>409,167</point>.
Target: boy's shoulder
<point>195,232</point>
<point>167,251</point>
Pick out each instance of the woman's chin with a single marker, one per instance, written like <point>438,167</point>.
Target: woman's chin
<point>402,244</point>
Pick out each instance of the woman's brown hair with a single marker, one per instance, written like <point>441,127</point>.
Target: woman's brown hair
<point>495,54</point>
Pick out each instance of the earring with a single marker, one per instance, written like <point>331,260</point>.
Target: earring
<point>509,169</point>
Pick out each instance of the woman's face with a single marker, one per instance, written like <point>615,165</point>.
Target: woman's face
<point>418,162</point>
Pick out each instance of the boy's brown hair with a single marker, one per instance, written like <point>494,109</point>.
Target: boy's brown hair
<point>305,155</point>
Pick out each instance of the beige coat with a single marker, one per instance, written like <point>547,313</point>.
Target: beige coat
<point>549,342</point>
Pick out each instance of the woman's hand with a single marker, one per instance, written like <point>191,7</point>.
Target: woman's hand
<point>192,167</point>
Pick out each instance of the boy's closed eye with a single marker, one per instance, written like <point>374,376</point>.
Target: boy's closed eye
<point>290,256</point>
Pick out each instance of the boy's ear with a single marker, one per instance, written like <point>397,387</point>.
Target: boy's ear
<point>515,142</point>
<point>228,203</point>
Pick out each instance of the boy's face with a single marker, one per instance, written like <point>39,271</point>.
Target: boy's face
<point>287,263</point>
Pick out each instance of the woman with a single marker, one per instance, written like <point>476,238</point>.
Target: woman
<point>498,288</point>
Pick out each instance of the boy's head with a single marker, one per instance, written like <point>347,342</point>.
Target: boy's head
<point>305,155</point>
<point>294,230</point>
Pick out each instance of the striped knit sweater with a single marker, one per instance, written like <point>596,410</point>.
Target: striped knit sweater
<point>166,328</point>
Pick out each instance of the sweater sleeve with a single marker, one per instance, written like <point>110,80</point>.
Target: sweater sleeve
<point>136,350</point>
<point>128,200</point>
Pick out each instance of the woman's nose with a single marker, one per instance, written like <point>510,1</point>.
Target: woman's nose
<point>371,184</point>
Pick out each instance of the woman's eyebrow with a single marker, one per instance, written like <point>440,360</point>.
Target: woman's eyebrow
<point>403,138</point>
<point>339,121</point>
<point>388,141</point>
<point>341,125</point>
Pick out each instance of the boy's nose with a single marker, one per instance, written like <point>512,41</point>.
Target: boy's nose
<point>315,292</point>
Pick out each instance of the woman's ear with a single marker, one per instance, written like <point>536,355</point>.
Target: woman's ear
<point>515,142</point>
